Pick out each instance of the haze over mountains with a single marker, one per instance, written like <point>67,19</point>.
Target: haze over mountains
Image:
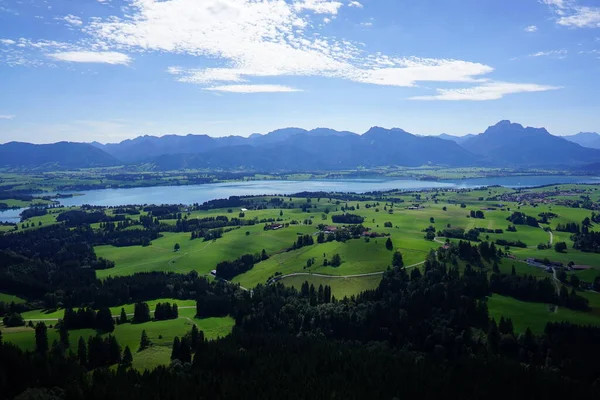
<point>505,144</point>
<point>586,139</point>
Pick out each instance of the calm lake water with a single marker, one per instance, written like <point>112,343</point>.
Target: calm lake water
<point>201,193</point>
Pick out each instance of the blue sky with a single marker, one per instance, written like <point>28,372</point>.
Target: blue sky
<point>107,70</point>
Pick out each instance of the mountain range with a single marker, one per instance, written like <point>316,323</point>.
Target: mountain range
<point>505,144</point>
<point>585,139</point>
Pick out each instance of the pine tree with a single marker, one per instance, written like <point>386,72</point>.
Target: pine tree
<point>41,338</point>
<point>104,320</point>
<point>176,348</point>
<point>513,271</point>
<point>63,335</point>
<point>144,341</point>
<point>174,312</point>
<point>127,359</point>
<point>185,352</point>
<point>194,337</point>
<point>82,351</point>
<point>397,260</point>
<point>388,244</point>
<point>113,350</point>
<point>123,317</point>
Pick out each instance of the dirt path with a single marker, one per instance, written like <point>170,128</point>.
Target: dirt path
<point>341,276</point>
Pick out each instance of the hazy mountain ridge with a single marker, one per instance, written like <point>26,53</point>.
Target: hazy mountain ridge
<point>61,155</point>
<point>296,149</point>
<point>508,143</point>
<point>585,139</point>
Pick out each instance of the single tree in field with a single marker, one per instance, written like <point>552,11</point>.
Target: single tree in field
<point>127,359</point>
<point>176,247</point>
<point>389,245</point>
<point>336,260</point>
<point>397,260</point>
<point>41,338</point>
<point>123,317</point>
<point>560,247</point>
<point>513,271</point>
<point>82,352</point>
<point>144,341</point>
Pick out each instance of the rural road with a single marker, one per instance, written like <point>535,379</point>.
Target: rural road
<point>114,316</point>
<point>342,276</point>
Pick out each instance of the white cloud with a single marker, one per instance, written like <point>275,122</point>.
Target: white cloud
<point>71,19</point>
<point>531,28</point>
<point>570,13</point>
<point>253,89</point>
<point>266,38</point>
<point>104,57</point>
<point>7,116</point>
<point>355,4</point>
<point>248,39</point>
<point>7,42</point>
<point>562,53</point>
<point>487,91</point>
<point>318,6</point>
<point>366,24</point>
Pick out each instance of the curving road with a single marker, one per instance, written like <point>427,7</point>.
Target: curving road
<point>340,276</point>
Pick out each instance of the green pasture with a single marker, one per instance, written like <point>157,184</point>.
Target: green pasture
<point>160,333</point>
<point>9,298</point>
<point>340,287</point>
<point>535,315</point>
<point>49,315</point>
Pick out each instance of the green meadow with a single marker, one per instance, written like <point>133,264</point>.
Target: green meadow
<point>535,316</point>
<point>9,298</point>
<point>340,288</point>
<point>161,333</point>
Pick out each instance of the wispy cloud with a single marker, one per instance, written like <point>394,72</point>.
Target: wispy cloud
<point>562,53</point>
<point>70,19</point>
<point>7,116</point>
<point>570,13</point>
<point>531,28</point>
<point>487,91</point>
<point>253,89</point>
<point>103,57</point>
<point>367,24</point>
<point>248,39</point>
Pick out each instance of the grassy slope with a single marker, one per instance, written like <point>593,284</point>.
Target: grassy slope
<point>36,315</point>
<point>535,315</point>
<point>340,288</point>
<point>9,298</point>
<point>161,333</point>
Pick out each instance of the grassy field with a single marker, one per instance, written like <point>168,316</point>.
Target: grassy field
<point>535,315</point>
<point>161,333</point>
<point>340,288</point>
<point>358,256</point>
<point>9,298</point>
<point>41,315</point>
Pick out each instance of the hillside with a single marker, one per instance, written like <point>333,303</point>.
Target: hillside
<point>59,155</point>
<point>585,139</point>
<point>512,144</point>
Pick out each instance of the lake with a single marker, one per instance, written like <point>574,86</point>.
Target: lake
<point>201,193</point>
